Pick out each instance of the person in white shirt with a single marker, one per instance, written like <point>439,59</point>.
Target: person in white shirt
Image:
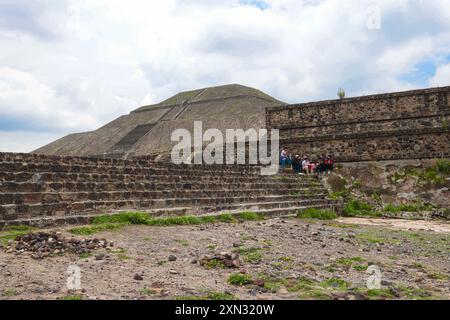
<point>305,165</point>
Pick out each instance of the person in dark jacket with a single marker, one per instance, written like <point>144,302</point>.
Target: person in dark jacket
<point>297,164</point>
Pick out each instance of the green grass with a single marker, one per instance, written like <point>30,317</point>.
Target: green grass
<point>414,293</point>
<point>120,220</point>
<point>190,298</point>
<point>12,232</point>
<point>443,166</point>
<point>407,208</point>
<point>271,284</point>
<point>250,216</point>
<point>360,267</point>
<point>314,213</point>
<point>348,262</point>
<point>212,295</point>
<point>238,279</point>
<point>343,194</point>
<point>439,276</point>
<point>9,293</point>
<point>147,292</point>
<point>342,225</point>
<point>375,294</point>
<point>89,230</point>
<point>335,283</point>
<point>435,175</point>
<point>85,255</point>
<point>183,242</point>
<point>374,237</point>
<point>357,208</point>
<point>251,254</point>
<point>71,298</point>
<point>305,287</point>
<point>215,263</point>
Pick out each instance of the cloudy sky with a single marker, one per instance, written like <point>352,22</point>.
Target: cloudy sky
<point>73,65</point>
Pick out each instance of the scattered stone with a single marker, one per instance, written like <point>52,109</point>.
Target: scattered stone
<point>173,271</point>
<point>138,277</point>
<point>228,260</point>
<point>259,283</point>
<point>45,244</point>
<point>172,258</point>
<point>100,256</point>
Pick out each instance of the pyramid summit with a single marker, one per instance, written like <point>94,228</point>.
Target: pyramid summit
<point>147,130</point>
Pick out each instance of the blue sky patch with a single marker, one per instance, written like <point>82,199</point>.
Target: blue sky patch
<point>421,74</point>
<point>255,3</point>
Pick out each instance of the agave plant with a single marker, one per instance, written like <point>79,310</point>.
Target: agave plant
<point>341,93</point>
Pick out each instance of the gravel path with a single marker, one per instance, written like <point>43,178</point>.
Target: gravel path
<point>286,259</point>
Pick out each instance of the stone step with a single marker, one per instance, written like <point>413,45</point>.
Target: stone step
<point>86,218</point>
<point>254,207</point>
<point>88,168</point>
<point>15,211</point>
<point>56,197</point>
<point>108,168</point>
<point>88,177</point>
<point>136,162</point>
<point>10,187</point>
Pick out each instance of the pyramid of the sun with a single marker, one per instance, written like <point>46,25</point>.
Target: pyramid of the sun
<point>147,130</point>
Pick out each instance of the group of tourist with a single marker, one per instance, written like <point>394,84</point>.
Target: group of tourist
<point>303,165</point>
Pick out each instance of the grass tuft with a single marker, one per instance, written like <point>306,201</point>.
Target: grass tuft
<point>314,213</point>
<point>12,232</point>
<point>71,298</point>
<point>120,220</point>
<point>356,208</point>
<point>407,208</point>
<point>239,279</point>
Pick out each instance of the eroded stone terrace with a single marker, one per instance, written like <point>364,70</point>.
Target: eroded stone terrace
<point>47,190</point>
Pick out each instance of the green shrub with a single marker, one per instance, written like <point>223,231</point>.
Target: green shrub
<point>239,279</point>
<point>220,296</point>
<point>335,283</point>
<point>407,208</point>
<point>252,254</point>
<point>250,216</point>
<point>125,218</point>
<point>314,213</point>
<point>343,194</point>
<point>443,166</point>
<point>356,208</point>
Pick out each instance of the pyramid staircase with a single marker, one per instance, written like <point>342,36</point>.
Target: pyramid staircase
<point>49,190</point>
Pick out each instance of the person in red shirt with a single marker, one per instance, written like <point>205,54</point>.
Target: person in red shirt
<point>329,162</point>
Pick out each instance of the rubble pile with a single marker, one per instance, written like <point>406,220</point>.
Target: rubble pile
<point>224,259</point>
<point>45,244</point>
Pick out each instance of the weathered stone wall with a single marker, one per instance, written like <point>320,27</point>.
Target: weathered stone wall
<point>393,182</point>
<point>405,125</point>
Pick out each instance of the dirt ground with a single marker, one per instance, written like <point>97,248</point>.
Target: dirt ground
<point>288,258</point>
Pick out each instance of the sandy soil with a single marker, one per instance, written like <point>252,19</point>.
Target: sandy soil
<point>414,264</point>
<point>436,226</point>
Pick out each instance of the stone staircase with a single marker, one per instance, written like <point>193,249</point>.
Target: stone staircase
<point>49,190</point>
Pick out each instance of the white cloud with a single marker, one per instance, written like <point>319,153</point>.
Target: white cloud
<point>23,97</point>
<point>442,76</point>
<point>74,65</point>
<point>24,141</point>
